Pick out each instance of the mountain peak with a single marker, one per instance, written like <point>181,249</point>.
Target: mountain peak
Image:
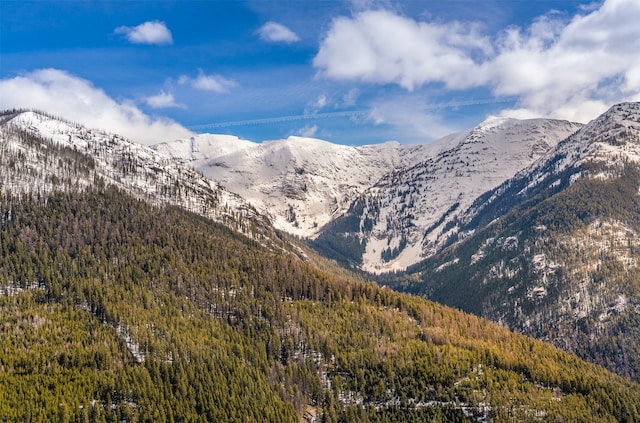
<point>493,121</point>
<point>36,140</point>
<point>621,120</point>
<point>301,182</point>
<point>409,213</point>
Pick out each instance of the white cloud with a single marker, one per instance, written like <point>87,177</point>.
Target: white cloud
<point>152,32</point>
<point>308,131</point>
<point>162,100</point>
<point>78,100</point>
<point>567,68</point>
<point>317,105</point>
<point>381,47</point>
<point>411,118</point>
<point>321,101</point>
<point>215,83</point>
<point>277,33</point>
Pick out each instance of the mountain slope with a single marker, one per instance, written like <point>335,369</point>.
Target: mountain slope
<point>30,140</point>
<point>555,251</point>
<point>302,183</point>
<point>118,309</point>
<point>410,213</point>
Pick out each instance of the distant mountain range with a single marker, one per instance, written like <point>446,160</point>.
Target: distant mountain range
<point>531,223</point>
<point>301,183</point>
<point>134,288</point>
<point>392,198</point>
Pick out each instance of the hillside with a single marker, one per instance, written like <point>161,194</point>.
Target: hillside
<point>555,251</point>
<point>114,309</point>
<point>117,308</point>
<point>42,153</point>
<point>410,213</point>
<point>301,183</point>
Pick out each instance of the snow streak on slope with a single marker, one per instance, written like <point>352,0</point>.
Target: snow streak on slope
<point>302,183</point>
<point>413,209</point>
<point>30,165</point>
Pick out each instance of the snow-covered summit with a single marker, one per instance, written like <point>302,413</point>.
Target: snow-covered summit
<point>406,215</point>
<point>302,183</point>
<point>615,132</point>
<point>42,154</point>
<point>611,139</point>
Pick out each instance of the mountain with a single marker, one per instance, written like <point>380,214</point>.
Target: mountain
<point>301,183</point>
<point>118,306</point>
<point>382,206</point>
<point>30,139</point>
<point>409,213</point>
<point>554,252</point>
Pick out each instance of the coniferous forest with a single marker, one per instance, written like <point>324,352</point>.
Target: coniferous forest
<point>116,310</point>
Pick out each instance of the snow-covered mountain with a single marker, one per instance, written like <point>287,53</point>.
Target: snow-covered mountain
<point>610,140</point>
<point>400,202</point>
<point>411,212</point>
<point>403,196</point>
<point>40,153</point>
<point>554,252</point>
<point>302,183</point>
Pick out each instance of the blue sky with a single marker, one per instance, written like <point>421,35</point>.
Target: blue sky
<point>351,72</point>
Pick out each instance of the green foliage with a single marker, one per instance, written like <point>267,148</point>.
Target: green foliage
<point>112,309</point>
<point>341,242</point>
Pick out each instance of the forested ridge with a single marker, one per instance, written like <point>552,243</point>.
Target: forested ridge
<point>115,310</point>
<point>561,265</point>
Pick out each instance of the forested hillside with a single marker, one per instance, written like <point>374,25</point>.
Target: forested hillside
<point>555,251</point>
<point>116,310</point>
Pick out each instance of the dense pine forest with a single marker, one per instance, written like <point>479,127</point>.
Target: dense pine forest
<point>114,310</point>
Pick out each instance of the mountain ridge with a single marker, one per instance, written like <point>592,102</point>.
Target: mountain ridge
<point>112,159</point>
<point>408,214</point>
<point>302,183</point>
<point>305,184</point>
<point>560,243</point>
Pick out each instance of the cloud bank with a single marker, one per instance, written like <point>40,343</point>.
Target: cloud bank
<point>277,33</point>
<point>572,68</point>
<point>152,32</point>
<point>78,100</point>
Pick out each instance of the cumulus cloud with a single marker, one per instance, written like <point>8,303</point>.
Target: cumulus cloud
<point>152,32</point>
<point>568,68</point>
<point>78,100</point>
<point>277,33</point>
<point>162,100</point>
<point>204,82</point>
<point>382,47</point>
